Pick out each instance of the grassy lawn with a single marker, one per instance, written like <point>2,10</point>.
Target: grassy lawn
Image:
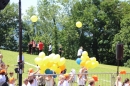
<point>10,58</point>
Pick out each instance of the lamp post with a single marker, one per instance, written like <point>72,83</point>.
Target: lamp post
<point>20,46</point>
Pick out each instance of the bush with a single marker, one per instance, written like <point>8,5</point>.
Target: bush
<point>127,64</point>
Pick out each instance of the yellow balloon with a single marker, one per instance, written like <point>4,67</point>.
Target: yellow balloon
<point>58,71</point>
<point>34,18</point>
<point>85,53</point>
<point>78,24</point>
<point>62,61</point>
<point>93,59</point>
<point>49,64</point>
<point>56,58</point>
<point>38,60</point>
<point>93,65</point>
<point>54,67</point>
<point>88,64</point>
<point>41,54</point>
<point>97,63</point>
<point>46,59</point>
<point>51,55</point>
<point>82,64</point>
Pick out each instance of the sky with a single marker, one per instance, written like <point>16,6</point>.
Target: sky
<point>25,4</point>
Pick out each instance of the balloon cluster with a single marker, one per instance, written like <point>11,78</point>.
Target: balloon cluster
<point>86,61</point>
<point>50,64</point>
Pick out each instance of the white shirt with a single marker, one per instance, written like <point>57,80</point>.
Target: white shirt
<point>65,83</point>
<point>50,48</point>
<point>119,83</point>
<point>11,85</point>
<point>33,84</point>
<point>59,83</point>
<point>126,84</point>
<point>24,85</point>
<point>19,58</point>
<point>79,52</point>
<point>49,82</point>
<point>2,79</point>
<point>81,81</point>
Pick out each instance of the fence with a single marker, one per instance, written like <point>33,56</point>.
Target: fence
<point>104,79</point>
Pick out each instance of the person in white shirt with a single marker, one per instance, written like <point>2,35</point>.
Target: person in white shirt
<point>61,80</point>
<point>66,80</point>
<point>2,79</point>
<point>118,81</point>
<point>79,53</point>
<point>50,49</point>
<point>18,60</point>
<point>81,77</point>
<point>126,82</point>
<point>49,80</point>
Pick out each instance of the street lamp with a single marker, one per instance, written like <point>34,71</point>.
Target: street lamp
<point>20,46</point>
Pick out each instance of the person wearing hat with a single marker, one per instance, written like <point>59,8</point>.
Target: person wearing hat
<point>3,78</point>
<point>31,77</point>
<point>66,80</point>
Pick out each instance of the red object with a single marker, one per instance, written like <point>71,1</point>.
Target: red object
<point>122,72</point>
<point>95,77</point>
<point>41,46</point>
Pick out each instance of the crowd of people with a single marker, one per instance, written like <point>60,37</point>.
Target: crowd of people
<point>36,48</point>
<point>64,79</point>
<point>120,83</point>
<point>6,77</point>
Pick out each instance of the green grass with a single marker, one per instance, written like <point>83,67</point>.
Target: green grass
<point>10,58</point>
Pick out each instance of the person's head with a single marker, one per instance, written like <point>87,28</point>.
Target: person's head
<point>11,74</point>
<point>2,65</point>
<point>25,81</point>
<point>118,78</point>
<point>66,76</point>
<point>127,80</point>
<point>30,70</point>
<point>91,82</point>
<point>81,47</point>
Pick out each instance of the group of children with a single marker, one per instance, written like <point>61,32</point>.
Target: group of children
<point>6,79</point>
<point>119,82</point>
<point>64,79</point>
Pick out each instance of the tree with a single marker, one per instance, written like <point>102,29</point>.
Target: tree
<point>8,26</point>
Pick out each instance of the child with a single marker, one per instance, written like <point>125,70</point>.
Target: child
<point>25,82</point>
<point>61,80</point>
<point>11,79</point>
<point>72,79</point>
<point>31,78</point>
<point>118,81</point>
<point>49,80</point>
<point>81,77</point>
<point>91,82</point>
<point>66,80</point>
